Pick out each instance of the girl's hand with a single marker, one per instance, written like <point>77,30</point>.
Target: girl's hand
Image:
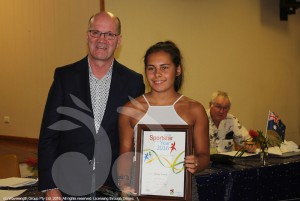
<point>191,163</point>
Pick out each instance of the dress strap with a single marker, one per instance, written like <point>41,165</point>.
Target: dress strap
<point>177,100</point>
<point>146,100</point>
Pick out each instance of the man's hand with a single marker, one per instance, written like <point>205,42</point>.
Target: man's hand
<point>250,147</point>
<point>53,195</point>
<point>127,192</point>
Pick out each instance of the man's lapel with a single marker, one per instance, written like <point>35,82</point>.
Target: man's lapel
<point>83,84</point>
<point>113,98</point>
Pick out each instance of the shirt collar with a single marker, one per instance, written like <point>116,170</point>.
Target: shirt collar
<point>108,72</point>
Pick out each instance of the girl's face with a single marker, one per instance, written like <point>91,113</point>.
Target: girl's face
<point>161,71</point>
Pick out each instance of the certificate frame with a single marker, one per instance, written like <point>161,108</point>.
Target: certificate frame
<point>182,132</point>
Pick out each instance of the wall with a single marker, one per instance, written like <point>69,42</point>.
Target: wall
<point>36,37</point>
<point>241,47</point>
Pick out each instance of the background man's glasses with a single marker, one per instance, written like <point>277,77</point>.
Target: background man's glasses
<point>107,35</point>
<point>219,108</point>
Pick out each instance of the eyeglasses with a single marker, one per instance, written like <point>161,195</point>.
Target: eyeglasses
<point>219,107</point>
<point>107,35</point>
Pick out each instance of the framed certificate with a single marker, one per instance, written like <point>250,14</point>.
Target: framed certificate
<point>160,171</point>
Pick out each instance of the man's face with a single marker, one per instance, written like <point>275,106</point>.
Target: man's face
<point>219,109</point>
<point>102,49</point>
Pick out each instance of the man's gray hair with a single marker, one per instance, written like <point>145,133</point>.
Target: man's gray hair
<point>219,93</point>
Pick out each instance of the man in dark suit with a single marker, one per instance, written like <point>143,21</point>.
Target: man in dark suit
<point>79,140</point>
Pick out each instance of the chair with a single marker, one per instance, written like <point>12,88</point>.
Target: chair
<point>9,166</point>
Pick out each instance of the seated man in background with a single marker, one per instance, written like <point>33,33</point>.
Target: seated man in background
<point>224,128</point>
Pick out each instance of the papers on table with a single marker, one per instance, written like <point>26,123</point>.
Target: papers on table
<point>233,153</point>
<point>274,150</point>
<point>286,147</point>
<point>271,150</point>
<point>289,146</point>
<point>15,182</point>
<point>10,194</point>
<point>11,183</point>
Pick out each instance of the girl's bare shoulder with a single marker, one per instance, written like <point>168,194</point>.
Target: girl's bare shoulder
<point>191,104</point>
<point>190,110</point>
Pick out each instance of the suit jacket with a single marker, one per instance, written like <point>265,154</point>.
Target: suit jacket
<point>73,80</point>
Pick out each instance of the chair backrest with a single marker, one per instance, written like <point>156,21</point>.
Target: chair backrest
<point>9,166</point>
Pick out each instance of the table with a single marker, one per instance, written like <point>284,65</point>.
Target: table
<point>248,179</point>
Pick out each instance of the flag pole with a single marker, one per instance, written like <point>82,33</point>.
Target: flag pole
<point>267,123</point>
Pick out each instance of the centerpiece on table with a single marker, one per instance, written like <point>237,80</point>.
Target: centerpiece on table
<point>263,141</point>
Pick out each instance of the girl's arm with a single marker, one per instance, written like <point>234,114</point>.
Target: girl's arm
<point>200,159</point>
